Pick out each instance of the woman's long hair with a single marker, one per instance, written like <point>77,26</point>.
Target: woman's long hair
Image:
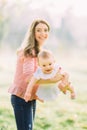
<point>30,42</point>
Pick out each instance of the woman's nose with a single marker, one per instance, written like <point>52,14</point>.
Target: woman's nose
<point>42,32</point>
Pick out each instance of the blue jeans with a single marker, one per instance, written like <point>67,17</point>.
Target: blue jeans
<point>24,112</point>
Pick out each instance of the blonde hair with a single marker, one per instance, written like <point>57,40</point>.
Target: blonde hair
<point>45,54</point>
<point>30,41</point>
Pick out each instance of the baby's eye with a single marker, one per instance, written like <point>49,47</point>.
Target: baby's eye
<point>50,64</point>
<point>44,65</point>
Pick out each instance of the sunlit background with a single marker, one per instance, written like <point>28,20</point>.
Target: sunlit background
<point>67,18</point>
<point>67,40</point>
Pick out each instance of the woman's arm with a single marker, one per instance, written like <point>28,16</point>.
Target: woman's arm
<point>55,79</point>
<point>29,89</point>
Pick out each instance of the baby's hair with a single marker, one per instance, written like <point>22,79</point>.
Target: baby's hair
<point>45,54</point>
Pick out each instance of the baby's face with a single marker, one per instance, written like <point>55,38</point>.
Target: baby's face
<point>46,64</point>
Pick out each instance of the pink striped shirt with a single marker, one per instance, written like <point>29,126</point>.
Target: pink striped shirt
<point>25,68</point>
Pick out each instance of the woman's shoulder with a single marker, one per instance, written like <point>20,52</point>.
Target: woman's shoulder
<point>20,51</point>
<point>20,54</point>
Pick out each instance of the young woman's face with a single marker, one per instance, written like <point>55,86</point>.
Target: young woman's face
<point>41,33</point>
<point>46,64</point>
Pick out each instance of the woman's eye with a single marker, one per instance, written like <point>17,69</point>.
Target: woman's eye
<point>38,30</point>
<point>46,30</point>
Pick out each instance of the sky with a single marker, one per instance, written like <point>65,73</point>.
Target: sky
<point>56,10</point>
<point>78,7</point>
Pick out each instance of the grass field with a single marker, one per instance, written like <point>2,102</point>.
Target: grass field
<point>64,113</point>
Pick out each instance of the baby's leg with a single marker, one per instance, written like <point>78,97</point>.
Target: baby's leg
<point>68,87</point>
<point>64,83</point>
<point>71,89</point>
<point>65,78</point>
<point>62,87</point>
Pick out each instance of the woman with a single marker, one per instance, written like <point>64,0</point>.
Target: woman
<point>26,65</point>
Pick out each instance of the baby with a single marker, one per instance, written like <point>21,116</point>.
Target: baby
<point>46,70</point>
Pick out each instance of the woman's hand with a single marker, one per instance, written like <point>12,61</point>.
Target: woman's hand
<point>27,96</point>
<point>56,78</point>
<point>59,76</point>
<point>37,98</point>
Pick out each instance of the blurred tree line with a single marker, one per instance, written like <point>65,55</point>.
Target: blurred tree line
<point>16,16</point>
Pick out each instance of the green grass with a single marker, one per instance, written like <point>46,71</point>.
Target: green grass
<point>63,114</point>
<point>6,119</point>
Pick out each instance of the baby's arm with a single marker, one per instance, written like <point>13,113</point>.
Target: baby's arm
<point>29,89</point>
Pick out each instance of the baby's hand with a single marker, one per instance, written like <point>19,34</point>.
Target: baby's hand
<point>59,70</point>
<point>58,76</point>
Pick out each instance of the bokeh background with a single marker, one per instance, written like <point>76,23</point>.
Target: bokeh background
<point>67,40</point>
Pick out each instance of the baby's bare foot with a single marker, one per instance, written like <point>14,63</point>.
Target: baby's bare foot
<point>73,96</point>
